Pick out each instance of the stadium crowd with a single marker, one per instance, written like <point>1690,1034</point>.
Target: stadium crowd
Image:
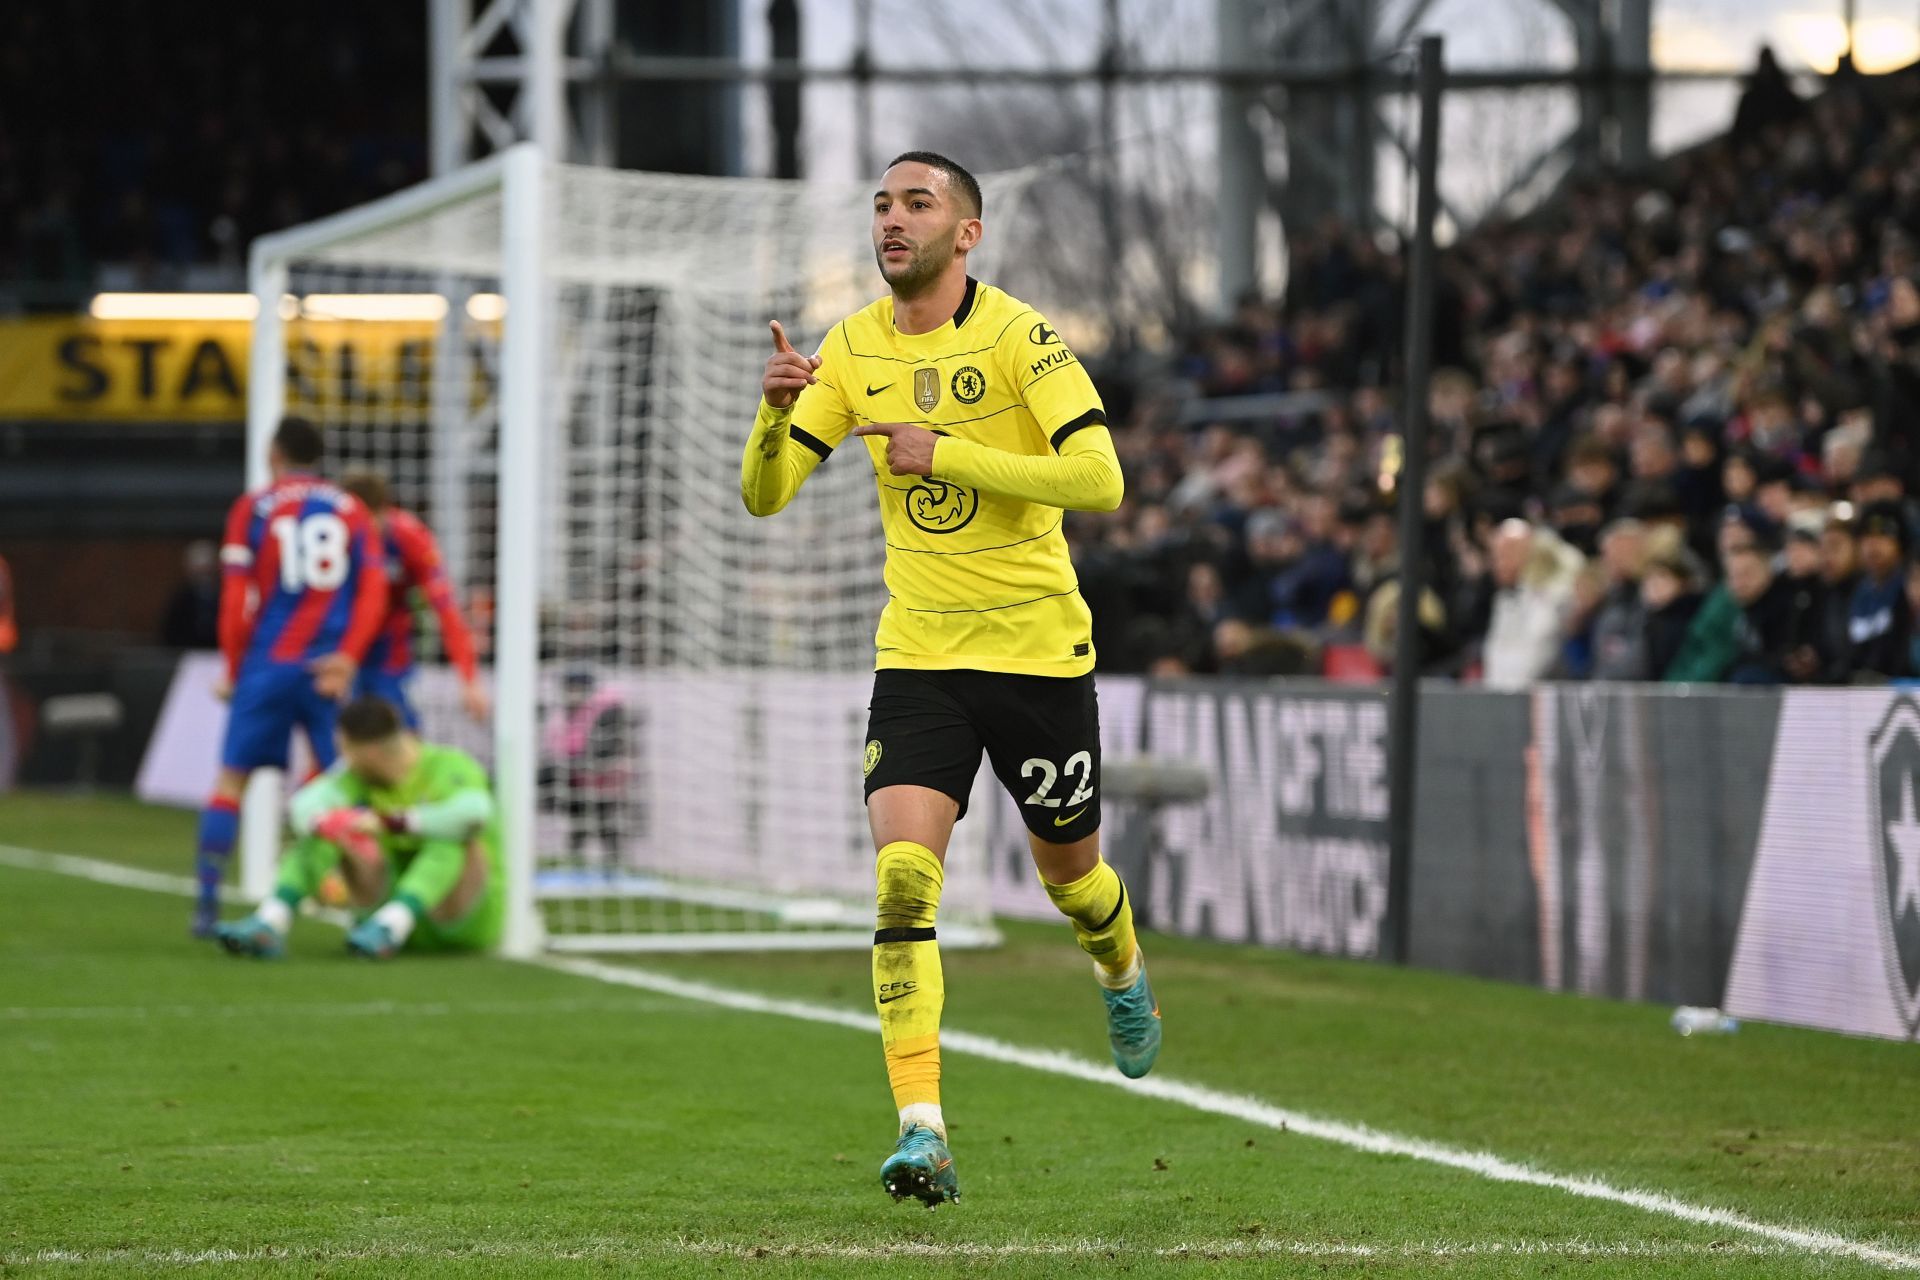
<point>1673,434</point>
<point>124,170</point>
<point>1674,418</point>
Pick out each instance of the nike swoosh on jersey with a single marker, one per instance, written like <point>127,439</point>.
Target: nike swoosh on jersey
<point>1061,822</point>
<point>890,999</point>
<point>874,391</point>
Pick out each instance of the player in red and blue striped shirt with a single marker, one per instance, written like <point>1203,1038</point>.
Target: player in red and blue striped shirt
<point>301,596</point>
<point>413,562</point>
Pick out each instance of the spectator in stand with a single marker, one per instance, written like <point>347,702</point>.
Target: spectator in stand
<point>265,117</point>
<point>1712,642</point>
<point>1241,649</point>
<point>1658,509</point>
<point>1768,102</point>
<point>1303,594</point>
<point>1760,628</point>
<point>1880,622</point>
<point>1533,573</point>
<point>1593,471</point>
<point>1808,657</point>
<point>1205,609</point>
<point>1773,494</point>
<point>1620,624</point>
<point>1377,572</point>
<point>587,766</point>
<point>1381,630</point>
<point>192,617</point>
<point>1577,516</point>
<point>1654,455</point>
<point>1738,326</point>
<point>1589,594</point>
<point>1670,593</point>
<point>1839,575</point>
<point>1565,400</point>
<point>1843,449</point>
<point>1502,456</point>
<point>1879,480</point>
<point>1913,608</point>
<point>1274,546</point>
<point>1376,554</point>
<point>1888,343</point>
<point>1771,429</point>
<point>1740,481</point>
<point>1696,483</point>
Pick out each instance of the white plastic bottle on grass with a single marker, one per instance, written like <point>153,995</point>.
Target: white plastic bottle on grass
<point>1693,1020</point>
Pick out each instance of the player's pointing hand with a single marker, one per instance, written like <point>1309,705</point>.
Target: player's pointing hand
<point>909,448</point>
<point>788,372</point>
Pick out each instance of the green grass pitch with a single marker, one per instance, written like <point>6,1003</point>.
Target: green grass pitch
<point>165,1110</point>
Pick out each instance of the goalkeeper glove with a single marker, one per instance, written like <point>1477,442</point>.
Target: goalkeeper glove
<point>347,828</point>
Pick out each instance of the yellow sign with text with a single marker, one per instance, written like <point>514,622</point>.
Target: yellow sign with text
<point>77,369</point>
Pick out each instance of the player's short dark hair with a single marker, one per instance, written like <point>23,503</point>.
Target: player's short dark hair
<point>370,487</point>
<point>956,175</point>
<point>369,719</point>
<point>299,441</point>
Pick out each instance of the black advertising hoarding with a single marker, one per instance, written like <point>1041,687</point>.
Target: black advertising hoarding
<point>1685,845</point>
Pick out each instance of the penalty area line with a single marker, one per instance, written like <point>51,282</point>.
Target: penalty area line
<point>1194,1097</point>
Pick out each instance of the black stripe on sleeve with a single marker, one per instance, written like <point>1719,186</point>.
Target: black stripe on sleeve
<point>902,935</point>
<point>1115,913</point>
<point>1092,417</point>
<point>812,441</point>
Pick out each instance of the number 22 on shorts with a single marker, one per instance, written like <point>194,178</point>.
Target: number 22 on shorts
<point>1079,764</point>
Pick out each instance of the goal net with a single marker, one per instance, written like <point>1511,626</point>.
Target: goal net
<point>556,368</point>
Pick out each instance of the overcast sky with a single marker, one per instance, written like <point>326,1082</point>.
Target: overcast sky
<point>1692,33</point>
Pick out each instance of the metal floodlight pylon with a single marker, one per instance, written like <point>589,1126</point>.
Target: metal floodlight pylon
<point>520,71</point>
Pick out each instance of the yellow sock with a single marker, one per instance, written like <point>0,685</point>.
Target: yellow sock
<point>1102,922</point>
<point>908,988</point>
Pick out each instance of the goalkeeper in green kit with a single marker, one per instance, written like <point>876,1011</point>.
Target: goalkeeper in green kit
<point>411,828</point>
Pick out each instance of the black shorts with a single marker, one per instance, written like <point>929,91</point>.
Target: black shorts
<point>1041,734</point>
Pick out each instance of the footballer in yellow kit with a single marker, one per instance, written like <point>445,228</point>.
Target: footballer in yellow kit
<point>983,429</point>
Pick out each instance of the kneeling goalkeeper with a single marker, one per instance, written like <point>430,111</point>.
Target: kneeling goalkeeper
<point>412,830</point>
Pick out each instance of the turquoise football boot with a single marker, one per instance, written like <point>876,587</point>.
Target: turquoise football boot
<point>251,937</point>
<point>921,1167</point>
<point>1133,1026</point>
<point>372,939</point>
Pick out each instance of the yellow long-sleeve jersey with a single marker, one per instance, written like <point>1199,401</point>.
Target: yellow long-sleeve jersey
<point>977,573</point>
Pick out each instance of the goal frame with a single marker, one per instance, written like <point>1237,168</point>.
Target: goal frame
<point>531,267</point>
<point>519,174</point>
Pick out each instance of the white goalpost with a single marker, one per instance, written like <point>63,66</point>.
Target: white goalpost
<point>555,366</point>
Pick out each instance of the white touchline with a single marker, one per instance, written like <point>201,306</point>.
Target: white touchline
<point>1252,1111</point>
<point>1244,1248</point>
<point>102,872</point>
<point>1195,1097</point>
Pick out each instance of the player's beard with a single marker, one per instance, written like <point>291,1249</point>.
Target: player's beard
<point>929,260</point>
